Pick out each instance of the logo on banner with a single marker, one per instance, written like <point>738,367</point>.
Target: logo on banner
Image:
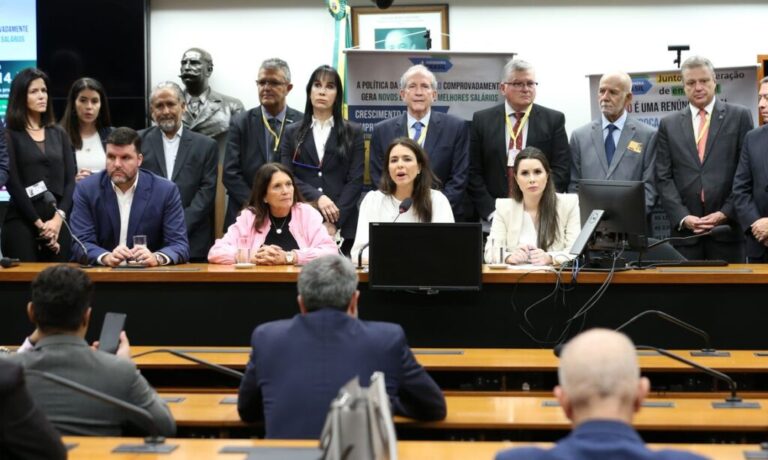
<point>435,65</point>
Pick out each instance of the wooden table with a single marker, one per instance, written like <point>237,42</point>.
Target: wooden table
<point>200,304</point>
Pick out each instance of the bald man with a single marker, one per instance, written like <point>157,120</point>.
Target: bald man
<point>600,391</point>
<point>613,146</point>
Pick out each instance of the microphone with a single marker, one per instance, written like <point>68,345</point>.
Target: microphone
<point>215,367</point>
<point>154,443</point>
<point>8,262</point>
<point>50,200</point>
<point>405,205</point>
<point>706,351</point>
<point>718,230</point>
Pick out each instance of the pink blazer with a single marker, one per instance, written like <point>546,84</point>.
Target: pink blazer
<point>306,226</point>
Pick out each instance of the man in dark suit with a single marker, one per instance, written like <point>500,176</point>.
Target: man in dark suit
<point>254,136</point>
<point>600,391</point>
<point>697,151</point>
<point>750,185</point>
<point>444,137</point>
<point>25,432</point>
<point>188,159</point>
<point>297,366</point>
<point>498,134</point>
<point>122,201</point>
<point>614,146</point>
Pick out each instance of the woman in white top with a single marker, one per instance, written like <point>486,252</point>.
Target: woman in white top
<point>407,176</point>
<point>86,120</point>
<point>536,226</point>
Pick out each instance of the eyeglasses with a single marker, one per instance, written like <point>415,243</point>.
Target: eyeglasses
<point>271,83</point>
<point>522,84</point>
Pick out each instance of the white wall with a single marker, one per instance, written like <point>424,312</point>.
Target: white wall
<point>564,40</point>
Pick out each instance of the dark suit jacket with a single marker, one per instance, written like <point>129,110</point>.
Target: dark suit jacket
<point>3,158</point>
<point>447,145</point>
<point>156,212</point>
<point>341,179</point>
<point>25,433</point>
<point>750,186</point>
<point>598,439</point>
<point>297,367</point>
<point>245,153</point>
<point>680,175</point>
<point>214,116</point>
<point>194,173</point>
<point>488,152</point>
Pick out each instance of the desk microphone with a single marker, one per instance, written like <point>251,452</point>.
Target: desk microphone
<point>405,205</point>
<point>49,199</point>
<point>8,262</point>
<point>154,443</point>
<point>214,367</point>
<point>706,351</point>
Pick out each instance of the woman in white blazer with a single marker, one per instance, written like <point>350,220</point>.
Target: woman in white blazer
<point>536,225</point>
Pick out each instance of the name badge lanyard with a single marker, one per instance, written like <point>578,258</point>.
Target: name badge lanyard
<point>422,136</point>
<point>272,132</point>
<point>515,134</point>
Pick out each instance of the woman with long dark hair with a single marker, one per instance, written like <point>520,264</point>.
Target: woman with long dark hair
<point>406,175</point>
<point>536,225</point>
<point>86,119</point>
<point>277,227</point>
<point>41,171</point>
<point>326,154</point>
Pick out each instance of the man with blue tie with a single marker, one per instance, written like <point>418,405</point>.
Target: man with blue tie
<point>614,146</point>
<point>444,137</point>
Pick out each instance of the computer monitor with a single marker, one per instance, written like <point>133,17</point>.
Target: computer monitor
<point>623,225</point>
<point>425,256</point>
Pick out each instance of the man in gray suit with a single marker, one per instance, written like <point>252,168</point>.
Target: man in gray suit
<point>614,147</point>
<point>697,151</point>
<point>60,309</point>
<point>186,158</point>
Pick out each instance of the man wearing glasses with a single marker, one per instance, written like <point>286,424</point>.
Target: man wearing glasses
<point>498,134</point>
<point>254,136</point>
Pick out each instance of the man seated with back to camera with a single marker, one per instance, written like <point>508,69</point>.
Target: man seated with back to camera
<point>60,309</point>
<point>298,365</point>
<point>600,391</point>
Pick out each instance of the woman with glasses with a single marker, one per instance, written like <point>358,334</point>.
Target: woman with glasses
<point>326,154</point>
<point>86,120</point>
<point>275,227</point>
<point>407,175</point>
<point>41,174</point>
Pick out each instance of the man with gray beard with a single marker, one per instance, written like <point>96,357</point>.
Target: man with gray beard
<point>188,159</point>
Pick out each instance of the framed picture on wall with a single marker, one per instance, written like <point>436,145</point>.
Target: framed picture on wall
<point>417,27</point>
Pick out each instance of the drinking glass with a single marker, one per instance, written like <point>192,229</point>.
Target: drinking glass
<point>243,254</point>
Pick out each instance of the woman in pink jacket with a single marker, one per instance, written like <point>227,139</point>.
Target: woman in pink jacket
<point>275,228</point>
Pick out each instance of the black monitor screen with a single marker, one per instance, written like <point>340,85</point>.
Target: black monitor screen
<point>425,256</point>
<point>623,225</point>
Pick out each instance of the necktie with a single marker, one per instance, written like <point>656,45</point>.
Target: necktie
<point>610,146</point>
<point>701,146</point>
<point>274,124</point>
<point>194,105</point>
<point>516,145</point>
<point>417,127</point>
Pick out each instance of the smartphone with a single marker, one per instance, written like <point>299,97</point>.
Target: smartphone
<point>109,339</point>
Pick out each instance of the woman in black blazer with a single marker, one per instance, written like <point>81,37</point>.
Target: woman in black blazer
<point>42,169</point>
<point>87,122</point>
<point>326,154</point>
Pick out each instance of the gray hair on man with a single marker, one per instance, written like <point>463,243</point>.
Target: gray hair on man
<point>598,365</point>
<point>277,64</point>
<point>418,69</point>
<point>515,65</point>
<point>327,282</point>
<point>175,88</point>
<point>764,80</point>
<point>695,62</point>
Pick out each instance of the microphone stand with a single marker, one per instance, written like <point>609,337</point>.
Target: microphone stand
<point>215,367</point>
<point>51,200</point>
<point>706,351</point>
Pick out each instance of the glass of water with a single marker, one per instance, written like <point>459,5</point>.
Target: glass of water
<point>243,254</point>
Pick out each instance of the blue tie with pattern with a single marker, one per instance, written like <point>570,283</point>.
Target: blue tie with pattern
<point>417,130</point>
<point>610,146</point>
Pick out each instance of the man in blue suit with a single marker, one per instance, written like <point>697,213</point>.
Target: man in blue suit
<point>750,185</point>
<point>297,366</point>
<point>600,391</point>
<point>122,201</point>
<point>444,137</point>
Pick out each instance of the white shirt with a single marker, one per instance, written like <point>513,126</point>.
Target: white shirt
<point>92,155</point>
<point>170,149</point>
<point>320,132</point>
<point>124,202</point>
<point>424,121</point>
<point>378,207</point>
<point>619,124</point>
<point>695,115</point>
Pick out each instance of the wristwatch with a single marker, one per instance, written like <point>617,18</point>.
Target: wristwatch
<point>62,214</point>
<point>289,257</point>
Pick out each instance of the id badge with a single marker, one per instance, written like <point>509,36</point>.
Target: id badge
<point>36,189</point>
<point>511,157</point>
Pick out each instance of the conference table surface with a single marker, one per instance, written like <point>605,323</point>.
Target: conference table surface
<point>199,449</point>
<point>476,412</point>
